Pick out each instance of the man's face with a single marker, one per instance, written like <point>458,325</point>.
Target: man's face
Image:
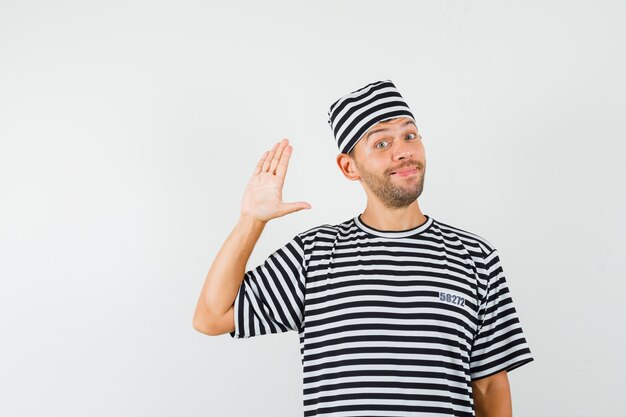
<point>387,148</point>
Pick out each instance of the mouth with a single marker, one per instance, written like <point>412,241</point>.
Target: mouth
<point>405,171</point>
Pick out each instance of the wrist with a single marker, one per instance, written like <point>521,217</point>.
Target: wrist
<point>248,220</point>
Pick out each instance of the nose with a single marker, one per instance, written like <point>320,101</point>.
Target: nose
<point>403,150</point>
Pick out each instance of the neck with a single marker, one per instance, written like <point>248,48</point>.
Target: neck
<point>384,218</point>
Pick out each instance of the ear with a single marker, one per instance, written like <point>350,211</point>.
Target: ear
<point>348,167</point>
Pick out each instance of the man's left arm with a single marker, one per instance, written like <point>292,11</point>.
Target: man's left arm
<point>492,396</point>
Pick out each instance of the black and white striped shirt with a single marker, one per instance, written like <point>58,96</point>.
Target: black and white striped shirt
<point>391,323</point>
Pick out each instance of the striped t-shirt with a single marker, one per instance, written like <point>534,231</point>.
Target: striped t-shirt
<point>391,323</point>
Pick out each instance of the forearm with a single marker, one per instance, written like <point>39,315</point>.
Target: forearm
<point>492,397</point>
<point>228,268</point>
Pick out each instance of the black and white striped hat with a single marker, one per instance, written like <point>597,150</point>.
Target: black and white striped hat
<point>352,115</point>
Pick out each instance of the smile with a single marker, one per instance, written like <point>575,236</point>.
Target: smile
<point>405,173</point>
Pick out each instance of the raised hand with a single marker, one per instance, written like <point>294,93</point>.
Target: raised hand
<point>263,197</point>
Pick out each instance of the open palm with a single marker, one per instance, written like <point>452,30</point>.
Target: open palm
<point>263,197</point>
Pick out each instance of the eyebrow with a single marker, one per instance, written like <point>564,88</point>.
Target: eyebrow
<point>367,137</point>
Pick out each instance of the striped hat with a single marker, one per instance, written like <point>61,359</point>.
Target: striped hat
<point>352,115</point>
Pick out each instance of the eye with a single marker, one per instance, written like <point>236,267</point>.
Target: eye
<point>384,141</point>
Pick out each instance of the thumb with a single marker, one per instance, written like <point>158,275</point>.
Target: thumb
<point>295,206</point>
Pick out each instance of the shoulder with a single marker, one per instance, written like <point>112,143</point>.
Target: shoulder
<point>323,231</point>
<point>469,238</point>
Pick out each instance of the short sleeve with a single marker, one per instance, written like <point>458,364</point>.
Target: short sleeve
<point>270,298</point>
<point>499,343</point>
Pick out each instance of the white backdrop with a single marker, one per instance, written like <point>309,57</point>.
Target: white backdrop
<point>129,129</point>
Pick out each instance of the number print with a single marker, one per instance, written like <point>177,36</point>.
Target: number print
<point>452,299</point>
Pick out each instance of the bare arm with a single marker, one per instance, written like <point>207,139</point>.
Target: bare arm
<point>225,275</point>
<point>492,396</point>
<point>262,201</point>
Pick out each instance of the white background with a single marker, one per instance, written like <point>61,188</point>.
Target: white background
<point>128,131</point>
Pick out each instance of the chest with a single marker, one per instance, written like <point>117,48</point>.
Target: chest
<point>408,293</point>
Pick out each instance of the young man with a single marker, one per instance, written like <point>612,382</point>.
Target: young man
<point>397,313</point>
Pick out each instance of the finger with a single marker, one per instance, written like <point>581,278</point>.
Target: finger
<point>268,158</point>
<point>287,208</point>
<point>259,166</point>
<point>278,155</point>
<point>281,169</point>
